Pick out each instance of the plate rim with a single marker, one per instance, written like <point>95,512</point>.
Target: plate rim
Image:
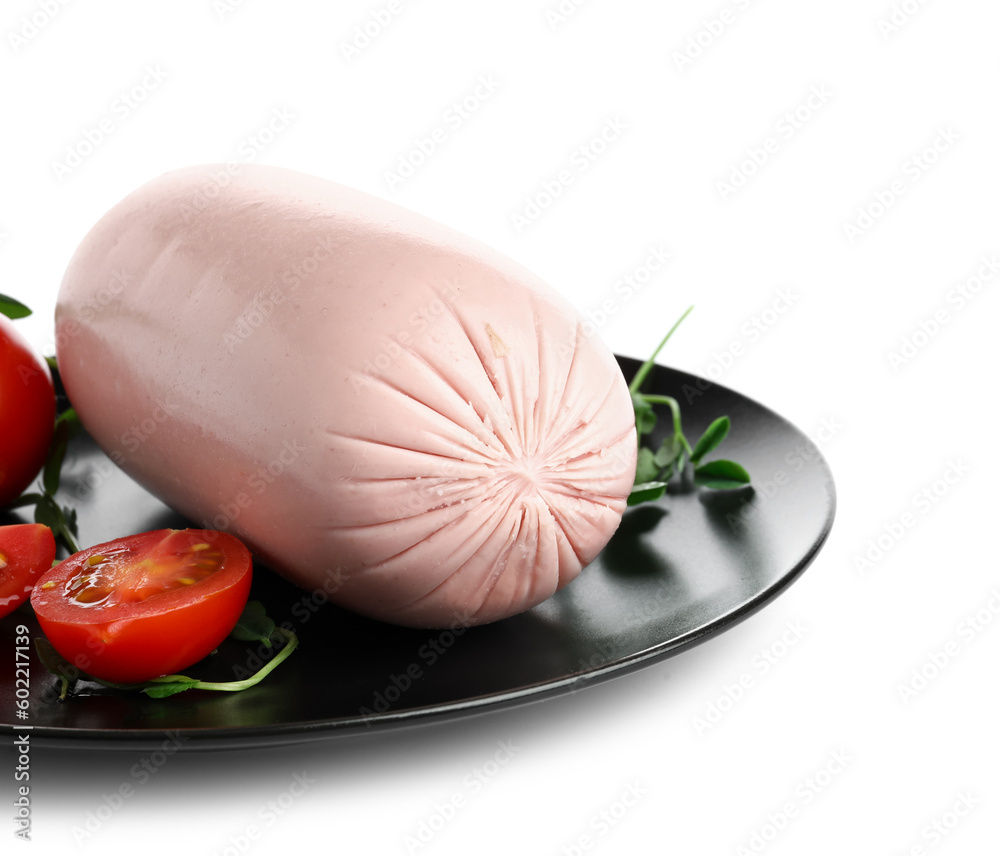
<point>287,733</point>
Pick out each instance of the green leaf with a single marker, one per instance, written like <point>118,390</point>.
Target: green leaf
<point>646,469</point>
<point>57,453</point>
<point>47,512</point>
<point>670,450</point>
<point>70,418</point>
<point>721,475</point>
<point>646,492</point>
<point>53,660</point>
<point>13,308</point>
<point>713,436</point>
<point>645,417</point>
<point>70,522</point>
<point>25,499</point>
<point>57,665</point>
<point>253,625</point>
<point>161,688</point>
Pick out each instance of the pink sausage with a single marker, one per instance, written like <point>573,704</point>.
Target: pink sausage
<point>382,408</point>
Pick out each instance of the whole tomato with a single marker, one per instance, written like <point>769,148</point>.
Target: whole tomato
<point>27,412</point>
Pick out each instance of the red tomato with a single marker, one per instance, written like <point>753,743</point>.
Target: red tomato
<point>27,550</point>
<point>146,605</point>
<point>27,412</point>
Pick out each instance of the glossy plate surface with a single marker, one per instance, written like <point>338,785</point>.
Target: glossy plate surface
<point>675,573</point>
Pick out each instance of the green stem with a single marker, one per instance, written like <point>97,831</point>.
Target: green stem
<point>291,644</point>
<point>675,410</point>
<point>71,544</point>
<point>647,366</point>
<point>66,535</point>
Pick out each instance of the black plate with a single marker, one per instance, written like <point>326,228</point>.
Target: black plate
<point>675,573</point>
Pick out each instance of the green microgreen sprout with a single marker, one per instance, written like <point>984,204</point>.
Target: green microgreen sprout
<point>656,468</point>
<point>253,626</point>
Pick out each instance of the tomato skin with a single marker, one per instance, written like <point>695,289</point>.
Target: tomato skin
<point>131,641</point>
<point>27,551</point>
<point>27,412</point>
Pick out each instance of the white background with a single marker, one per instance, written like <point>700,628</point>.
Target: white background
<point>877,85</point>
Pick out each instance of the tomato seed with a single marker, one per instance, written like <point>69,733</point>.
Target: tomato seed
<point>91,595</point>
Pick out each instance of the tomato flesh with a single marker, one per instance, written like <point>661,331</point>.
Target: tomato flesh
<point>27,412</point>
<point>27,550</point>
<point>147,605</point>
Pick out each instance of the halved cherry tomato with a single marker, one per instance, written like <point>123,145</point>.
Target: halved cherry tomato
<point>145,605</point>
<point>27,412</point>
<point>27,550</point>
